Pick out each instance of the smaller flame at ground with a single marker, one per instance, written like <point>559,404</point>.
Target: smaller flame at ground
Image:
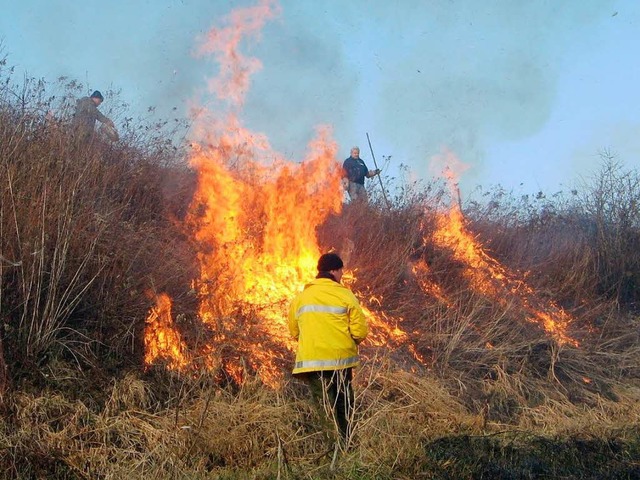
<point>162,340</point>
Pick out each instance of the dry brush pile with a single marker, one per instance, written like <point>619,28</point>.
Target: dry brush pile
<point>86,230</point>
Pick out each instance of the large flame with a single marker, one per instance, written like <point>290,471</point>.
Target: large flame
<point>254,218</point>
<point>257,224</point>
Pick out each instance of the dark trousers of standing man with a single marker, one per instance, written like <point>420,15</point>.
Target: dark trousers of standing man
<point>332,389</point>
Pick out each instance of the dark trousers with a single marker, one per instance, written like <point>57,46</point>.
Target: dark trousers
<point>332,389</point>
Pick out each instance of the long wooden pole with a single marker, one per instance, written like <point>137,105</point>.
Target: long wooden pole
<point>384,194</point>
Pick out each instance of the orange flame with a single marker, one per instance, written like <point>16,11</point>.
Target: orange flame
<point>163,341</point>
<point>420,272</point>
<point>488,276</point>
<point>383,328</point>
<point>254,217</point>
<point>256,227</point>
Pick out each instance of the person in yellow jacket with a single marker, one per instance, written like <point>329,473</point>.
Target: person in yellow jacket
<point>328,322</point>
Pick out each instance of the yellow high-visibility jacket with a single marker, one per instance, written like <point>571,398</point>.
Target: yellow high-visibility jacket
<point>328,322</point>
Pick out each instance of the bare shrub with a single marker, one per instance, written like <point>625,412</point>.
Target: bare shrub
<point>611,202</point>
<point>85,228</point>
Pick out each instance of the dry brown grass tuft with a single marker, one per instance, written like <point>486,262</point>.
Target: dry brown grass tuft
<point>258,432</point>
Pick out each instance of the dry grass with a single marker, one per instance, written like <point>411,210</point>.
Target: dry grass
<point>81,224</point>
<point>87,229</point>
<point>257,432</point>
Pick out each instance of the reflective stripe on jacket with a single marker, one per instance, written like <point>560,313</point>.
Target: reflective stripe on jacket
<point>328,322</point>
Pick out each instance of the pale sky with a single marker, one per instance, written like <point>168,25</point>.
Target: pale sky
<point>523,91</point>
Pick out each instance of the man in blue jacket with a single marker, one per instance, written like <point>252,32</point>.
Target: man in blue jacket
<point>355,171</point>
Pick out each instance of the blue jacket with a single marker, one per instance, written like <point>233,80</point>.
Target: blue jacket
<point>355,170</point>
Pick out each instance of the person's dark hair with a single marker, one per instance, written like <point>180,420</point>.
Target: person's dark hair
<point>329,262</point>
<point>98,95</point>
